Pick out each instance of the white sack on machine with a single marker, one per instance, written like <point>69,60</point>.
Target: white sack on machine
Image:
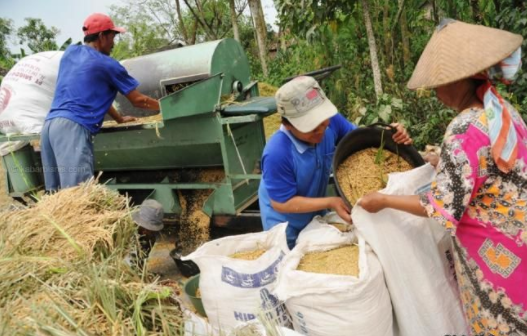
<point>237,290</point>
<point>336,305</point>
<point>26,94</point>
<point>417,258</point>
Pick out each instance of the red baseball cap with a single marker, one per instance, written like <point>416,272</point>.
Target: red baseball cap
<point>98,22</point>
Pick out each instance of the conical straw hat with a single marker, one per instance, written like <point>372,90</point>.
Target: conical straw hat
<point>458,50</point>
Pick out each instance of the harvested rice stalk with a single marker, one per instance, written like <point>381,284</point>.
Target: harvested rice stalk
<point>75,222</point>
<point>343,260</point>
<point>359,174</point>
<point>248,255</point>
<point>46,288</point>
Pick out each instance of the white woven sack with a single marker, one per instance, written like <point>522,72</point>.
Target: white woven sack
<point>336,305</point>
<point>236,290</point>
<point>26,94</point>
<point>417,258</point>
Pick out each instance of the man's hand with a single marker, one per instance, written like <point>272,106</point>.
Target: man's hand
<point>372,202</point>
<point>401,135</point>
<point>337,204</point>
<point>125,119</point>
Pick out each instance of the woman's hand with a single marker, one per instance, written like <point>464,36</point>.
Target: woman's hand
<point>401,135</point>
<point>373,202</point>
<point>432,158</point>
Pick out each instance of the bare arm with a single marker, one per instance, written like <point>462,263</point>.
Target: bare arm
<point>140,100</point>
<point>375,202</point>
<point>300,204</point>
<point>118,117</point>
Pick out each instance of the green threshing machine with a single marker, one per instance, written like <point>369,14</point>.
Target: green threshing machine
<point>198,130</point>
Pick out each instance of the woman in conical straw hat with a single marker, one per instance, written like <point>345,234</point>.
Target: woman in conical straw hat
<point>480,191</point>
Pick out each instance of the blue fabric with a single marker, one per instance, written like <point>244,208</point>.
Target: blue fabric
<point>291,167</point>
<point>87,84</point>
<point>67,153</point>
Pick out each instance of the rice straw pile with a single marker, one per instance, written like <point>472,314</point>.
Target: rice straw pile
<point>74,222</point>
<point>360,173</point>
<point>63,270</point>
<point>248,255</point>
<point>342,260</point>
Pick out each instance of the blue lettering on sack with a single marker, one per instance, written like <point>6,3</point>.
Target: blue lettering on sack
<point>273,308</point>
<point>256,280</point>
<point>239,316</point>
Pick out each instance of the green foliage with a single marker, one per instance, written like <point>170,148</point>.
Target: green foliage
<point>6,28</point>
<point>37,36</point>
<point>513,17</point>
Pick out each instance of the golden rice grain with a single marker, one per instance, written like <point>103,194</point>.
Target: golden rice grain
<point>359,174</point>
<point>248,255</point>
<point>342,260</point>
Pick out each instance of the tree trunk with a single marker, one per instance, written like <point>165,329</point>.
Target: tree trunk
<point>435,12</point>
<point>234,19</point>
<point>377,81</point>
<point>181,23</point>
<point>194,32</point>
<point>387,32</point>
<point>198,15</point>
<point>452,10</point>
<point>259,25</point>
<point>476,15</point>
<point>405,39</point>
<point>281,37</point>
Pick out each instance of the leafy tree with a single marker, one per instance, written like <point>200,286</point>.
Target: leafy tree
<point>37,36</point>
<point>6,29</point>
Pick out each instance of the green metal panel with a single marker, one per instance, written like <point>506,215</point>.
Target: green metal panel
<point>199,98</point>
<point>184,142</point>
<point>24,172</point>
<point>229,58</point>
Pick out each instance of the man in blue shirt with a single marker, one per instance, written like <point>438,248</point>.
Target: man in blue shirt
<point>87,84</point>
<point>296,162</point>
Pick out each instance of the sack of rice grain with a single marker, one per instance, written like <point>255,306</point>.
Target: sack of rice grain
<point>26,94</point>
<point>432,305</point>
<point>238,275</point>
<point>325,229</point>
<point>322,304</point>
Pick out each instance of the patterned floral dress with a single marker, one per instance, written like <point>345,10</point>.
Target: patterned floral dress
<point>486,213</point>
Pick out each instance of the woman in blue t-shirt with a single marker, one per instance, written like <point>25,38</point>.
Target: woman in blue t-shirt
<point>296,162</point>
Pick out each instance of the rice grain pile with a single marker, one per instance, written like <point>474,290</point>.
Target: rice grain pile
<point>342,260</point>
<point>248,255</point>
<point>360,174</point>
<point>194,228</point>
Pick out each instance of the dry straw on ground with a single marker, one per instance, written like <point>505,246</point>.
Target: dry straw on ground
<point>63,270</point>
<point>360,173</point>
<point>343,260</point>
<point>74,221</point>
